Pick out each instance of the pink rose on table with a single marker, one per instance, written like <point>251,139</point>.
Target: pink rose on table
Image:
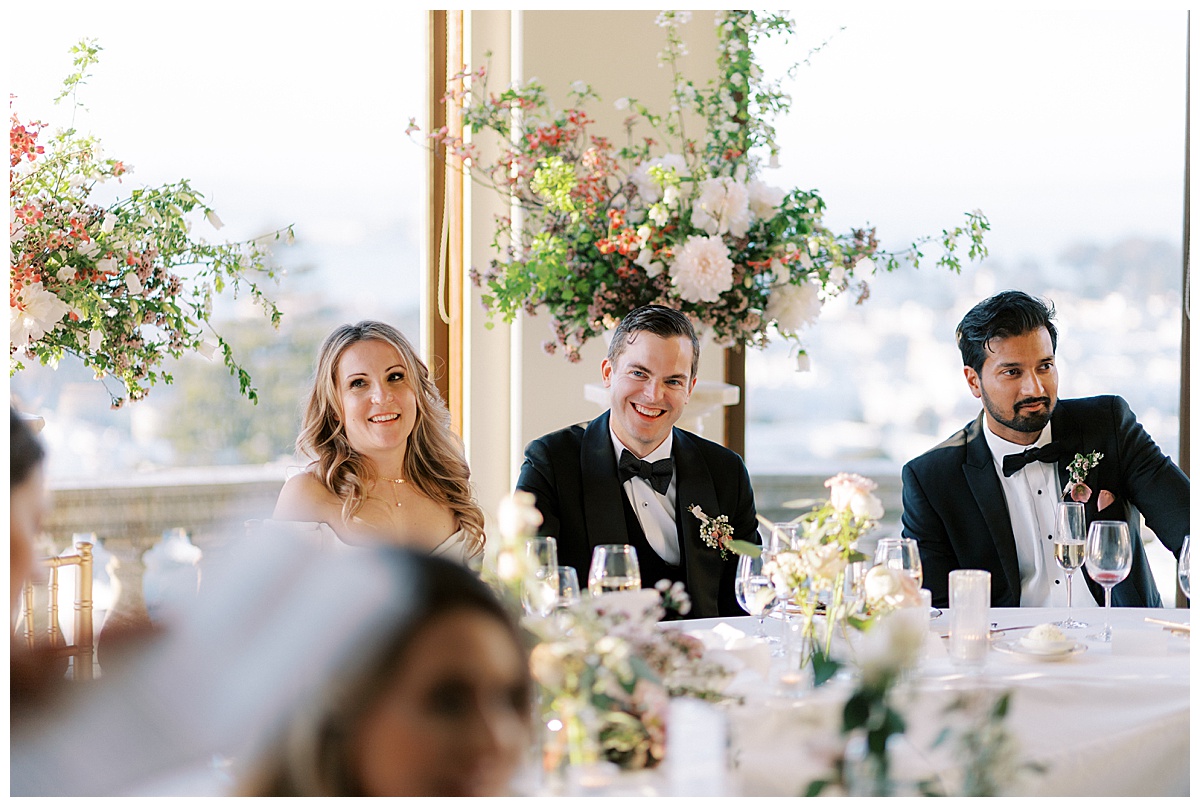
<point>853,492</point>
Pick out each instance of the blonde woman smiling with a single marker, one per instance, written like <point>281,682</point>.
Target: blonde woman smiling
<point>386,468</point>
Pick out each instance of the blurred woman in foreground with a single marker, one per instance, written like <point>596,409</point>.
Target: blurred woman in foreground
<point>439,706</point>
<point>384,460</point>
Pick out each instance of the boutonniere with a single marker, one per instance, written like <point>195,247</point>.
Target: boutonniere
<point>717,533</point>
<point>1077,471</point>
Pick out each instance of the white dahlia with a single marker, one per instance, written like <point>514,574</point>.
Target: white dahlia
<point>702,269</point>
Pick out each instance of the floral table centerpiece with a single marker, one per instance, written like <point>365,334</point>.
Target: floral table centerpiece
<point>812,572</point>
<point>690,225</point>
<point>121,285</point>
<point>606,670</point>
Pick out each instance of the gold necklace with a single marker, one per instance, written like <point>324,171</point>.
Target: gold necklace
<point>395,494</point>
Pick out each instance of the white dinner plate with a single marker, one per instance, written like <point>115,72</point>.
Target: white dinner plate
<point>1018,649</point>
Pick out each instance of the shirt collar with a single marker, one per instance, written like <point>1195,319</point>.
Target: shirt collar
<point>1001,448</point>
<point>661,453</point>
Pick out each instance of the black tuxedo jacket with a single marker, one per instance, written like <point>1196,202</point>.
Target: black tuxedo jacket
<point>573,475</point>
<point>954,505</point>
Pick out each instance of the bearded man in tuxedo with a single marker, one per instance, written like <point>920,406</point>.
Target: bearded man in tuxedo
<point>986,498</point>
<point>630,477</point>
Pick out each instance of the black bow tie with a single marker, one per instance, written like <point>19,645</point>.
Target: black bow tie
<point>658,474</point>
<point>1047,453</point>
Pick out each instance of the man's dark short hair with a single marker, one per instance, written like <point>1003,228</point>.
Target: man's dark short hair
<point>660,321</point>
<point>1009,313</point>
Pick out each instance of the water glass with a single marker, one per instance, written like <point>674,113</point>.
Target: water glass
<point>1185,567</point>
<point>1069,526</point>
<point>970,599</point>
<point>614,568</point>
<point>755,592</point>
<point>539,590</point>
<point>781,537</point>
<point>1108,555</point>
<point>569,594</point>
<point>901,554</point>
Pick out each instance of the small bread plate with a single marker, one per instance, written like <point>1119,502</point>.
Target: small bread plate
<point>1017,648</point>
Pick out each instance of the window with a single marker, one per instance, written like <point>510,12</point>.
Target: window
<point>279,117</point>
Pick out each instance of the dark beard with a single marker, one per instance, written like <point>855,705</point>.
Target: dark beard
<point>1029,424</point>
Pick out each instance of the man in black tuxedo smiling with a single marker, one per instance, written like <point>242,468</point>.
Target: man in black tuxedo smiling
<point>631,477</point>
<point>986,498</point>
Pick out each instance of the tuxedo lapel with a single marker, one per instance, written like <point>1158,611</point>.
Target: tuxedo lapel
<point>603,508</point>
<point>694,485</point>
<point>980,471</point>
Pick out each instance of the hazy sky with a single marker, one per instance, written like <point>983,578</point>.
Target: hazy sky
<point>1058,124</point>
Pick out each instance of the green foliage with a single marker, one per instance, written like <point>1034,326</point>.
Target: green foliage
<point>122,286</point>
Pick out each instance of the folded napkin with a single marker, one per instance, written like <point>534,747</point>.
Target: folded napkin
<point>735,650</point>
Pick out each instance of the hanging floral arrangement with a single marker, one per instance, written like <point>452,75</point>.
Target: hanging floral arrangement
<point>679,218</point>
<point>121,285</point>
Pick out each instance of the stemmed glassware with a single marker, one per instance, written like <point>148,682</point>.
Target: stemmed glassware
<point>1069,529</point>
<point>901,554</point>
<point>539,591</point>
<point>1108,555</point>
<point>1185,567</point>
<point>614,568</point>
<point>569,594</point>
<point>755,592</point>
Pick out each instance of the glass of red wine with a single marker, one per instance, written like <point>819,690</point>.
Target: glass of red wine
<point>1108,556</point>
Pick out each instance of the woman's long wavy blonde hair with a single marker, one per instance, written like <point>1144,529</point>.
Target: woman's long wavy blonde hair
<point>434,461</point>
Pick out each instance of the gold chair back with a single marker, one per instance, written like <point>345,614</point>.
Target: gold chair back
<point>82,651</point>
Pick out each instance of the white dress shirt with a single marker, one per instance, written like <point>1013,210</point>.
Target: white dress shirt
<point>655,511</point>
<point>1032,495</point>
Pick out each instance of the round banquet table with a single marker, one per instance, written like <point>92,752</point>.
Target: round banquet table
<point>1112,720</point>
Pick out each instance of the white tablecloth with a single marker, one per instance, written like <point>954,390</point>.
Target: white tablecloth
<point>1113,720</point>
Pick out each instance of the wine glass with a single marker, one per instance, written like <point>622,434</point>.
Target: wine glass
<point>901,554</point>
<point>614,568</point>
<point>1185,567</point>
<point>755,592</point>
<point>539,591</point>
<point>780,537</point>
<point>1108,556</point>
<point>1068,549</point>
<point>569,594</point>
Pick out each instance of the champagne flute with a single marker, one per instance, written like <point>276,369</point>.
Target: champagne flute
<point>901,554</point>
<point>614,568</point>
<point>1070,523</point>
<point>539,591</point>
<point>755,592</point>
<point>1108,555</point>
<point>1185,567</point>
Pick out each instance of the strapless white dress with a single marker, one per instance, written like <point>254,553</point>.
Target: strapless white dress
<point>322,535</point>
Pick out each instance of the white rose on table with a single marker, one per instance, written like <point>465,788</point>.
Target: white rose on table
<point>892,644</point>
<point>518,516</point>
<point>890,588</point>
<point>723,206</point>
<point>853,492</point>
